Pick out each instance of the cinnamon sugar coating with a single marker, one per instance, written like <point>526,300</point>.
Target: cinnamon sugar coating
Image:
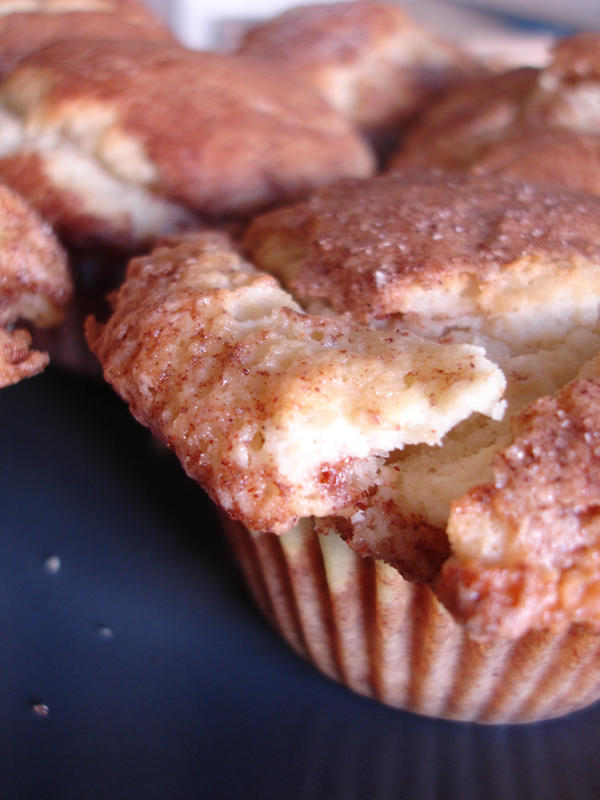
<point>390,245</point>
<point>550,155</point>
<point>526,547</point>
<point>24,32</point>
<point>389,533</point>
<point>34,285</point>
<point>368,59</point>
<point>463,258</point>
<point>538,125</point>
<point>277,413</point>
<point>455,130</point>
<point>143,135</point>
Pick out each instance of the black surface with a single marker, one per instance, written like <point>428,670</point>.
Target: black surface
<point>193,696</point>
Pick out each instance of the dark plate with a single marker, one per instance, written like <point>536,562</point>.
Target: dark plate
<point>160,678</point>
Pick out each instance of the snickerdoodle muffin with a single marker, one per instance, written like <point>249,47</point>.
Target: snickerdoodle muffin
<point>539,125</point>
<point>35,286</point>
<point>368,59</point>
<point>409,444</point>
<point>119,142</point>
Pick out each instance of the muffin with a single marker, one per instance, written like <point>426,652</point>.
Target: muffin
<point>529,124</point>
<point>117,143</point>
<point>35,287</point>
<point>407,459</point>
<point>120,142</point>
<point>369,60</point>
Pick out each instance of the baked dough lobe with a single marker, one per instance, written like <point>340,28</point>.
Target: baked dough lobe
<point>141,136</point>
<point>540,125</point>
<point>526,546</point>
<point>478,259</point>
<point>34,284</point>
<point>369,60</point>
<point>513,260</point>
<point>277,413</point>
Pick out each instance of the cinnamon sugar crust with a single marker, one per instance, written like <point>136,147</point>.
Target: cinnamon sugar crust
<point>481,259</point>
<point>429,245</point>
<point>245,138</point>
<point>369,60</point>
<point>455,130</point>
<point>526,546</point>
<point>389,533</point>
<point>34,285</point>
<point>277,413</point>
<point>551,155</point>
<point>22,33</point>
<point>538,125</point>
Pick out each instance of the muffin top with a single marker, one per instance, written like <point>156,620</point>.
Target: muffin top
<point>34,284</point>
<point>139,134</point>
<point>432,246</point>
<point>520,123</point>
<point>526,545</point>
<point>485,260</point>
<point>454,130</point>
<point>368,59</point>
<point>277,413</point>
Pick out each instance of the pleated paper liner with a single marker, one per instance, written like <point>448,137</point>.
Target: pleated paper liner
<point>362,624</point>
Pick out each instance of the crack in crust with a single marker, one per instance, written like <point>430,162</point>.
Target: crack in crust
<point>134,139</point>
<point>526,547</point>
<point>478,259</point>
<point>277,413</point>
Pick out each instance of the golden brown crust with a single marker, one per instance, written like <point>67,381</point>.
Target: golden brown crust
<point>244,137</point>
<point>23,33</point>
<point>368,59</point>
<point>366,246</point>
<point>577,56</point>
<point>277,413</point>
<point>526,547</point>
<point>325,34</point>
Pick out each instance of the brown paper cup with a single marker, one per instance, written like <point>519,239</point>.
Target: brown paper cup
<point>362,624</point>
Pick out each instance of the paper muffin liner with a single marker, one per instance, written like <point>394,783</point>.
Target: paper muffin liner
<point>362,624</point>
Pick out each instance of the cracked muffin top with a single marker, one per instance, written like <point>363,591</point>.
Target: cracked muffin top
<point>531,124</point>
<point>131,140</point>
